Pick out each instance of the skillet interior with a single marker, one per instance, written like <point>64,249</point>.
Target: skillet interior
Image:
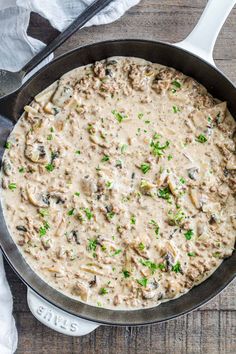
<point>10,110</point>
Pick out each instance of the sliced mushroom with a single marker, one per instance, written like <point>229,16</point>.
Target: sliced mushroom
<point>161,179</point>
<point>36,198</point>
<point>88,186</point>
<point>46,243</point>
<point>82,290</point>
<point>63,94</point>
<point>51,109</point>
<point>201,228</point>
<point>231,164</point>
<point>195,197</point>
<point>173,184</point>
<point>36,152</point>
<point>146,187</point>
<point>193,172</point>
<point>7,167</point>
<point>46,94</point>
<point>148,293</point>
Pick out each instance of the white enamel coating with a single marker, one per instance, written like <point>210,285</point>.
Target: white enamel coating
<point>57,319</point>
<point>201,42</point>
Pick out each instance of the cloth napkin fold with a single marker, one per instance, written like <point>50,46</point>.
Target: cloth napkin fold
<point>16,49</point>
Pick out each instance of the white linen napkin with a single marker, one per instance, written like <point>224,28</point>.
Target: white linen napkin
<point>16,49</point>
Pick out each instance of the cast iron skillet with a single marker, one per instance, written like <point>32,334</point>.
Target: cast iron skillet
<point>170,55</point>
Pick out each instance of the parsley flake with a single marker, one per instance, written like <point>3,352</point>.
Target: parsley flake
<point>71,212</point>
<point>143,281</point>
<point>201,138</point>
<point>88,213</point>
<point>119,116</point>
<point>126,273</point>
<point>103,291</point>
<point>92,244</point>
<point>145,167</point>
<point>188,234</point>
<point>105,158</point>
<point>12,186</point>
<point>176,267</point>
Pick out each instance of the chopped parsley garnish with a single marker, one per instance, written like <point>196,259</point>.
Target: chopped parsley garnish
<point>12,186</point>
<point>143,281</point>
<point>91,129</point>
<point>103,291</point>
<point>164,193</point>
<point>8,145</point>
<point>133,220</point>
<point>176,109</point>
<point>156,136</point>
<point>157,148</point>
<point>145,167</point>
<point>49,137</point>
<point>151,265</point>
<point>88,213</point>
<point>103,248</point>
<point>116,252</point>
<point>51,130</point>
<point>176,218</point>
<point>176,267</point>
<point>77,152</point>
<point>176,84</point>
<point>155,224</point>
<point>191,254</point>
<point>77,194</point>
<point>109,184</point>
<point>147,121</point>
<point>123,148</point>
<point>49,167</point>
<point>119,116</point>
<point>43,229</point>
<point>110,215</point>
<point>216,254</point>
<point>201,138</point>
<point>92,244</point>
<point>182,180</point>
<point>21,169</point>
<point>126,273</point>
<point>188,234</point>
<point>140,115</point>
<point>170,157</point>
<point>141,246</point>
<point>105,158</point>
<point>43,212</point>
<point>161,266</point>
<point>71,212</point>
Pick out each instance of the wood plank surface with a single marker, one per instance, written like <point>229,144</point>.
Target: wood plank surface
<point>208,330</point>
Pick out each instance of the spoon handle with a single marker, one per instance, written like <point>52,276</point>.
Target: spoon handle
<point>84,17</point>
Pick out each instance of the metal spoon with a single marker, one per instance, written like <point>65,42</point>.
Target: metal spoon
<point>12,81</point>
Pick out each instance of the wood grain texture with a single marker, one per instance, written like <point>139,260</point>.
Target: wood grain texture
<point>210,329</point>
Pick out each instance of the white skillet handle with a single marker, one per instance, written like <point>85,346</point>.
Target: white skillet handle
<point>202,39</point>
<point>57,319</point>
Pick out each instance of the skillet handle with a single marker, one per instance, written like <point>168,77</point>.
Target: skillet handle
<point>57,319</point>
<point>201,40</point>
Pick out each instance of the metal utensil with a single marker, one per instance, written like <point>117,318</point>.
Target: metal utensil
<point>12,81</point>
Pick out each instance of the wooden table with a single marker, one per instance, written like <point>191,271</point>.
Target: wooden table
<point>211,329</point>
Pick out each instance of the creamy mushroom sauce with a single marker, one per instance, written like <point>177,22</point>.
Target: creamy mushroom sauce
<point>118,183</point>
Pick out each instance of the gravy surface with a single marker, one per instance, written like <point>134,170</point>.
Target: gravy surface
<point>118,183</point>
